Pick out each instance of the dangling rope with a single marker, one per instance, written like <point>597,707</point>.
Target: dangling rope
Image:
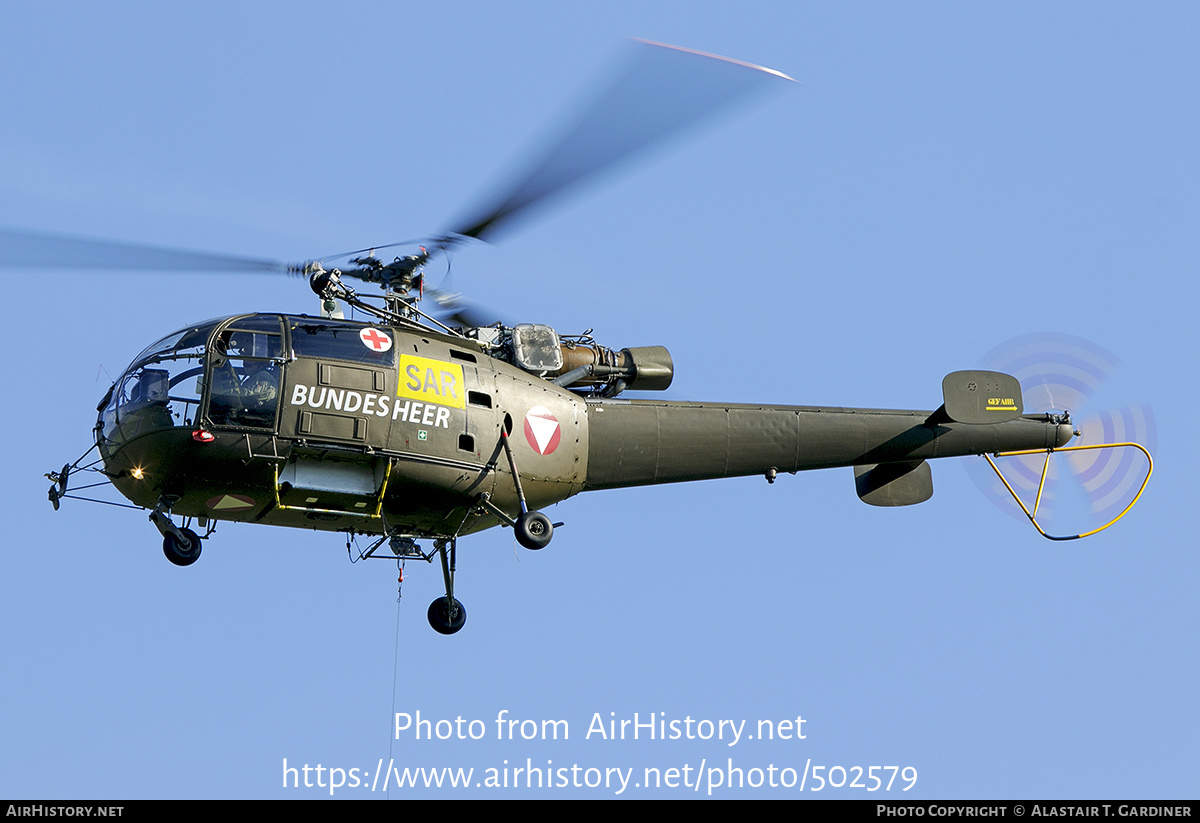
<point>395,669</point>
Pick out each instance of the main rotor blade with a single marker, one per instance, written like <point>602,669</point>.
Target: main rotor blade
<point>372,249</point>
<point>452,309</point>
<point>660,91</point>
<point>26,249</point>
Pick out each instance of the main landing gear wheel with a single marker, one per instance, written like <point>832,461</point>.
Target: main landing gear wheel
<point>534,530</point>
<point>446,618</point>
<point>182,552</point>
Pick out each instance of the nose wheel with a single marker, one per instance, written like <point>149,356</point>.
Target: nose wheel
<point>182,549</point>
<point>180,545</point>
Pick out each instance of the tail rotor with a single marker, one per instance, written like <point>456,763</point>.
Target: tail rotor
<point>1060,372</point>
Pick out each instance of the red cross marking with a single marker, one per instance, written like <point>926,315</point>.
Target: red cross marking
<point>375,340</point>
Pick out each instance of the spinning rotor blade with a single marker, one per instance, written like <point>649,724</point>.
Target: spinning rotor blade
<point>372,249</point>
<point>453,310</point>
<point>25,249</point>
<point>1111,477</point>
<point>660,91</point>
<point>1056,371</point>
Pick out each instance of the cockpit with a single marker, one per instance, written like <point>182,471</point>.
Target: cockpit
<point>226,373</point>
<point>162,388</point>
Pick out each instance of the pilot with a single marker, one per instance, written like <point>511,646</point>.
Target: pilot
<point>260,385</point>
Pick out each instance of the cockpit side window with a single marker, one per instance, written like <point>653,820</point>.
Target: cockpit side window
<point>246,343</point>
<point>245,368</point>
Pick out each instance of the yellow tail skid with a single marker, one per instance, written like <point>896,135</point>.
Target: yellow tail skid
<point>1032,515</point>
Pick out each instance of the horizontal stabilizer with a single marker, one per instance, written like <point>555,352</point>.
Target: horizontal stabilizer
<point>981,397</point>
<point>894,484</point>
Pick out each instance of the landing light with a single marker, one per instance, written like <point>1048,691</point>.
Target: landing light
<point>136,472</point>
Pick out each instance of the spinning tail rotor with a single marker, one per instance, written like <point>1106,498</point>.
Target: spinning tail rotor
<point>1060,372</point>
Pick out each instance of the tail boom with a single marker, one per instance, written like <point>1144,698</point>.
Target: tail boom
<point>645,442</point>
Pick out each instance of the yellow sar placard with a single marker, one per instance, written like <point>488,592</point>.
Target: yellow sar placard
<point>431,381</point>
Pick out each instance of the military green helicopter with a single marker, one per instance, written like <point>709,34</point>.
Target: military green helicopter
<point>408,428</point>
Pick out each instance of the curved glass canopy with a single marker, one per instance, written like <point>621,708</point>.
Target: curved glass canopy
<point>225,373</point>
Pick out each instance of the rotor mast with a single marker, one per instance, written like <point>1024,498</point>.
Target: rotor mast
<point>398,280</point>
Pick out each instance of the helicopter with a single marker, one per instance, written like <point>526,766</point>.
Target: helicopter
<point>420,426</point>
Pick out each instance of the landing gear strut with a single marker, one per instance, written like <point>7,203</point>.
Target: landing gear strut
<point>446,615</point>
<point>532,528</point>
<point>181,546</point>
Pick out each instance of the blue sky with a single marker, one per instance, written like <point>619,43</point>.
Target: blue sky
<point>942,178</point>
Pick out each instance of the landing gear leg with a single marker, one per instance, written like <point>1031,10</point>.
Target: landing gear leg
<point>533,529</point>
<point>446,615</point>
<point>181,546</point>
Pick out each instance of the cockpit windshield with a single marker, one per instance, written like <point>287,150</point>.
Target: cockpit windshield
<point>185,343</point>
<point>161,388</point>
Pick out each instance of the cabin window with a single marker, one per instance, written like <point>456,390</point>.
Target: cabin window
<point>244,370</point>
<point>343,341</point>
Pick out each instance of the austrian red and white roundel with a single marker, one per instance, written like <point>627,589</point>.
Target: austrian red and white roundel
<point>374,339</point>
<point>542,430</point>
